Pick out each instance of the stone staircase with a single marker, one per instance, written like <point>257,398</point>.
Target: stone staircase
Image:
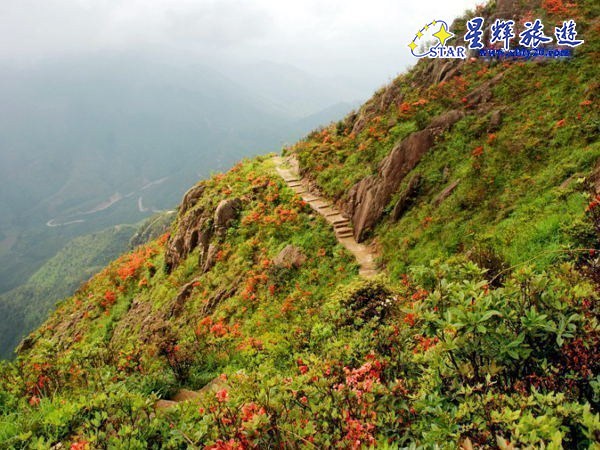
<point>365,256</point>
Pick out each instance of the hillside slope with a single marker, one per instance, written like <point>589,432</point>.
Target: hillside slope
<point>481,330</point>
<point>26,307</point>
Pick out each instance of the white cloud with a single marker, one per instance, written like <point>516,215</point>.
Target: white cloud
<point>366,39</point>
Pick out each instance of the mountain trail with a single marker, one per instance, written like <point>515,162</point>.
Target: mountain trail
<point>287,168</point>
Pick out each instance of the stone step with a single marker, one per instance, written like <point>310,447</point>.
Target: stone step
<point>310,199</point>
<point>340,225</point>
<point>340,220</point>
<point>292,180</point>
<point>323,206</point>
<point>295,184</point>
<point>332,213</point>
<point>184,395</point>
<point>345,234</point>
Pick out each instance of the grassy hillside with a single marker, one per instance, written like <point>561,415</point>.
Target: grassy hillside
<point>26,307</point>
<point>480,332</point>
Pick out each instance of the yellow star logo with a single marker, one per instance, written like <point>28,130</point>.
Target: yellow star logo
<point>412,46</point>
<point>443,34</point>
<point>419,34</point>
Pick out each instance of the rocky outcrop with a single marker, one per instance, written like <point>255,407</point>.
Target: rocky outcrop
<point>407,197</point>
<point>226,213</point>
<point>495,121</point>
<point>191,197</point>
<point>483,94</point>
<point>184,294</point>
<point>446,193</point>
<point>367,199</point>
<point>290,257</point>
<point>208,258</point>
<point>197,226</point>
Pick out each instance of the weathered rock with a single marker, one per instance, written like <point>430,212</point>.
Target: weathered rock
<point>191,197</point>
<point>194,228</point>
<point>150,325</point>
<point>444,70</point>
<point>184,293</point>
<point>25,344</point>
<point>209,258</point>
<point>290,256</point>
<point>446,193</point>
<point>367,199</point>
<point>505,7</point>
<point>228,289</point>
<point>390,95</point>
<point>407,197</point>
<point>227,211</point>
<point>185,395</point>
<point>483,93</point>
<point>495,121</point>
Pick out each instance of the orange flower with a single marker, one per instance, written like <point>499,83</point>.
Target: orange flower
<point>222,395</point>
<point>410,319</point>
<point>478,151</point>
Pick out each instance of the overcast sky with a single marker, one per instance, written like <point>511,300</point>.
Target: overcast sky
<point>363,39</point>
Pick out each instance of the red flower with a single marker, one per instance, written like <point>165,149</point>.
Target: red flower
<point>404,107</point>
<point>249,410</point>
<point>81,445</point>
<point>478,151</point>
<point>222,395</point>
<point>303,369</point>
<point>420,294</point>
<point>410,319</point>
<point>560,123</point>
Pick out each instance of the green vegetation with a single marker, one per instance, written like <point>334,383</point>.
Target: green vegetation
<point>482,331</point>
<point>522,183</point>
<point>26,307</point>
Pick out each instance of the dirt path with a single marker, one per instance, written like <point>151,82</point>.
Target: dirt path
<point>287,168</point>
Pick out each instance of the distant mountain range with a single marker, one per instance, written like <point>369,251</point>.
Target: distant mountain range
<point>91,142</point>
